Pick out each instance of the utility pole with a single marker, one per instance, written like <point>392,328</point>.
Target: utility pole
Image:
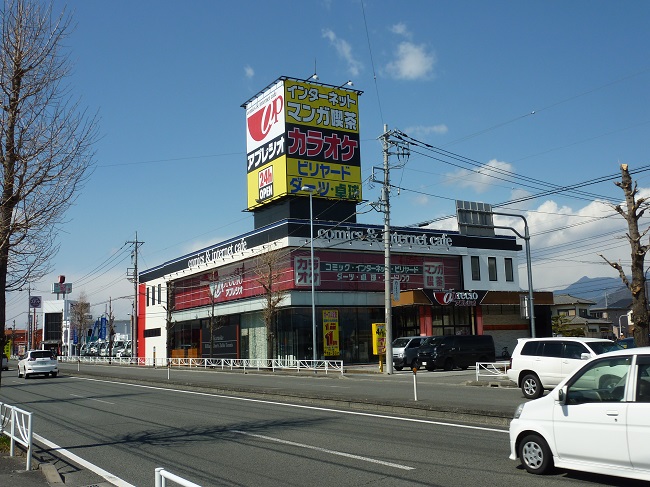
<point>384,207</point>
<point>132,275</point>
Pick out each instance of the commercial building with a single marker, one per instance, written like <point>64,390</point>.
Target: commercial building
<point>251,296</point>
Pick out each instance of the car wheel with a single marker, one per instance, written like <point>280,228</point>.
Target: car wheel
<point>429,367</point>
<point>53,374</point>
<point>535,455</point>
<point>398,367</point>
<point>449,364</point>
<point>531,386</point>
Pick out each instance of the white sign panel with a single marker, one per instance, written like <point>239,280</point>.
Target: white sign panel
<point>265,117</point>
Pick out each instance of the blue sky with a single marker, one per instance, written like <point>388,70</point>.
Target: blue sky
<point>556,92</point>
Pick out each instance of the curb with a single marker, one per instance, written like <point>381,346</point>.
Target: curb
<point>51,474</point>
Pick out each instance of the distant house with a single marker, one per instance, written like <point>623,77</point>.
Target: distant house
<point>577,312</point>
<point>615,307</point>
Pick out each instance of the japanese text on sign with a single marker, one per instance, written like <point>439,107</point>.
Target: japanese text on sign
<point>303,271</point>
<point>331,344</point>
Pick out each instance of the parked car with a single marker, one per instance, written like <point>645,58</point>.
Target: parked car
<point>124,352</point>
<point>627,342</point>
<point>93,348</point>
<point>38,362</point>
<point>405,351</point>
<point>596,420</point>
<point>537,364</point>
<point>5,363</point>
<point>451,351</point>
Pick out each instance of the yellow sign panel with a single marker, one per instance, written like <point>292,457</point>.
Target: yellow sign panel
<point>379,338</point>
<point>288,176</point>
<point>338,181</point>
<point>267,183</point>
<point>302,133</point>
<point>331,344</point>
<point>7,350</point>
<point>321,106</point>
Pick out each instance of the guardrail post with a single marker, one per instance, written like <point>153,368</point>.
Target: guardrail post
<point>158,481</point>
<point>30,442</point>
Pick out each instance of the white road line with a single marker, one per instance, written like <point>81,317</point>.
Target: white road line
<point>302,406</point>
<point>85,464</point>
<point>91,399</point>
<point>324,450</point>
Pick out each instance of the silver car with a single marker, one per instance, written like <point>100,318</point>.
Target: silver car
<point>38,362</point>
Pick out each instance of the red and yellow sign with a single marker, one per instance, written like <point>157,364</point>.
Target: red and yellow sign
<point>331,344</point>
<point>379,338</point>
<point>301,133</point>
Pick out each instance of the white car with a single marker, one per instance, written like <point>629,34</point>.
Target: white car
<point>596,420</point>
<point>38,362</point>
<point>537,364</point>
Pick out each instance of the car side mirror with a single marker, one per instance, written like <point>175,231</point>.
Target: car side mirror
<point>585,356</point>
<point>559,394</point>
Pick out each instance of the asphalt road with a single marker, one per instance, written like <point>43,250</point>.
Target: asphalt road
<point>439,394</point>
<point>129,429</point>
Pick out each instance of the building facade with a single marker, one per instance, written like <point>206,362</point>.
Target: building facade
<point>212,303</point>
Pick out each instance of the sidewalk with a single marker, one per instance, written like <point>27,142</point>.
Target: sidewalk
<point>13,473</point>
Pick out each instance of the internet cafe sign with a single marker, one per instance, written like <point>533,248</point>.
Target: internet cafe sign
<point>348,234</point>
<point>210,256</point>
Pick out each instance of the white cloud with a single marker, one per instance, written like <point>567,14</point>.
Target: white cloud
<point>249,72</point>
<point>412,62</point>
<point>401,29</point>
<point>566,242</point>
<point>421,200</point>
<point>481,179</point>
<point>423,131</point>
<point>344,50</point>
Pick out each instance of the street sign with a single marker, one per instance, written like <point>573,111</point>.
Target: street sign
<point>61,288</point>
<point>34,301</point>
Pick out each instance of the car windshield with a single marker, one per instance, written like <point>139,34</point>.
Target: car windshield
<point>604,346</point>
<point>434,341</point>
<point>400,342</point>
<point>41,354</point>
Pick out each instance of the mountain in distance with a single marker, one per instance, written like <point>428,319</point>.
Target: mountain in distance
<point>594,288</point>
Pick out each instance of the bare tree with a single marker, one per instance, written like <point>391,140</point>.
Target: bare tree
<point>45,142</point>
<point>79,316</point>
<point>169,308</point>
<point>268,272</point>
<point>215,322</point>
<point>633,211</point>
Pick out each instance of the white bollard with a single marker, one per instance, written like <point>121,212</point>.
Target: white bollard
<point>415,383</point>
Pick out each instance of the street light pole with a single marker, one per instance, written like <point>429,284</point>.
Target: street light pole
<point>310,190</point>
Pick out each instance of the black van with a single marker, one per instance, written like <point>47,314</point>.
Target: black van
<point>452,351</point>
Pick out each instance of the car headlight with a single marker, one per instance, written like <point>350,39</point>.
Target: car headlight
<point>400,355</point>
<point>519,410</point>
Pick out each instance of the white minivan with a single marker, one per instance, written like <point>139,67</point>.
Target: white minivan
<point>537,364</point>
<point>596,420</point>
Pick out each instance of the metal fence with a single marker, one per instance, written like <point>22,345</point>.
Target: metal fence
<point>17,425</point>
<point>496,370</point>
<point>162,475</point>
<point>327,366</point>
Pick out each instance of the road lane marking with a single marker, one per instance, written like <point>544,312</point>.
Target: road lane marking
<point>84,463</point>
<point>325,450</point>
<point>302,406</point>
<point>91,399</point>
